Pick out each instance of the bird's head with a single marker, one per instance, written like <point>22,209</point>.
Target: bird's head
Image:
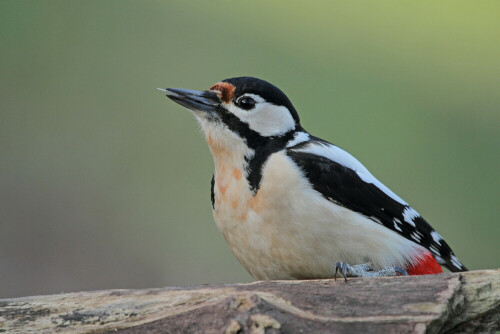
<point>242,109</point>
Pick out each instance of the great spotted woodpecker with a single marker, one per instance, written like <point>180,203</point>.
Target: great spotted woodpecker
<point>294,206</point>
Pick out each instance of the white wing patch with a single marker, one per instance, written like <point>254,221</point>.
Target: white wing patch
<point>298,138</point>
<point>338,155</point>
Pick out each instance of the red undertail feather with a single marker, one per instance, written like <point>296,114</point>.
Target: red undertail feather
<point>427,265</point>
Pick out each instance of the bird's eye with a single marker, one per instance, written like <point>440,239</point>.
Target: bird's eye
<point>246,103</point>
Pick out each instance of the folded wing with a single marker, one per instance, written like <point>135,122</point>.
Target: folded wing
<point>342,179</point>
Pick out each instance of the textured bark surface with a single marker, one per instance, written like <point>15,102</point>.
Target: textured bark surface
<point>419,304</point>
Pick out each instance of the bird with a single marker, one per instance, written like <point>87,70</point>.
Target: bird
<point>294,206</point>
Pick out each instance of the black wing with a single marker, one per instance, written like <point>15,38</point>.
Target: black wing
<point>343,186</point>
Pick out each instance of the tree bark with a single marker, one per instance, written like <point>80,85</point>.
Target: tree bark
<point>442,303</point>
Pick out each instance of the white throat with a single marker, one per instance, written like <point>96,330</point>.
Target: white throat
<point>228,149</point>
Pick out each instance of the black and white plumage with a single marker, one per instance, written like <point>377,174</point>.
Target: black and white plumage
<point>291,205</point>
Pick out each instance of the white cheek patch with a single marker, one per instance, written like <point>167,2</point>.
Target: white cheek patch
<point>266,118</point>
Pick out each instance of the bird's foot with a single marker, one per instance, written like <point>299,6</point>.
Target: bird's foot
<point>366,270</point>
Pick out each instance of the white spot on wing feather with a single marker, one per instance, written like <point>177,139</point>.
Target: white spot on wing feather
<point>415,237</point>
<point>456,262</point>
<point>439,259</point>
<point>409,214</point>
<point>434,250</point>
<point>437,238</point>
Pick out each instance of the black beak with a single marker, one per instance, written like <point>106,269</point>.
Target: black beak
<point>195,100</point>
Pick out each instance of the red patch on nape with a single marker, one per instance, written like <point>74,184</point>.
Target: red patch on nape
<point>225,91</point>
<point>427,265</point>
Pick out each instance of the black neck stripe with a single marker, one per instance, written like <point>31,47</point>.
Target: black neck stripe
<point>262,146</point>
<point>262,153</point>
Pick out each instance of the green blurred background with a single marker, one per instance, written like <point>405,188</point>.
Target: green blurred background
<point>104,182</point>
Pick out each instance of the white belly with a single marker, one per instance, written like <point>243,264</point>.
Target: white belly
<point>288,230</point>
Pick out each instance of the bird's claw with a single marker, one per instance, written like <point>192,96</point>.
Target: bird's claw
<point>400,270</point>
<point>366,270</point>
<point>343,269</point>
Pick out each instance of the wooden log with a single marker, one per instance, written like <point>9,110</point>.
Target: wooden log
<point>419,304</point>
